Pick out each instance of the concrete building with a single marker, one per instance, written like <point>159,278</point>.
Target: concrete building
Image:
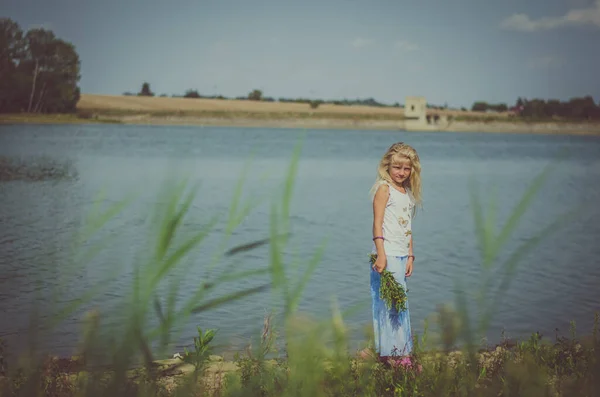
<point>415,107</point>
<point>420,118</point>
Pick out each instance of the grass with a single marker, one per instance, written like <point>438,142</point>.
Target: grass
<point>240,114</point>
<point>316,360</point>
<point>201,105</point>
<point>186,107</point>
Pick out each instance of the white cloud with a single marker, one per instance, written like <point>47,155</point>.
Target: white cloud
<point>583,16</point>
<point>545,62</point>
<point>405,45</point>
<point>359,42</point>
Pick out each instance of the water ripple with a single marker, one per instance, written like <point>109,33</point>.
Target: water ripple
<point>41,219</point>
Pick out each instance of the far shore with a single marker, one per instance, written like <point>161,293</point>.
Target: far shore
<point>495,126</point>
<point>161,111</point>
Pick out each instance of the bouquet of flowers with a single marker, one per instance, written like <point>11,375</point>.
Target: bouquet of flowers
<point>390,290</point>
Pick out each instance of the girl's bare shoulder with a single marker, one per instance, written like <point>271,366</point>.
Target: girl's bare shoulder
<point>383,191</point>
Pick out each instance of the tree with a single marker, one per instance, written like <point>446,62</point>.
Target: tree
<point>11,50</point>
<point>500,107</point>
<point>520,102</point>
<point>479,107</point>
<point>146,90</point>
<point>575,109</point>
<point>54,68</point>
<point>11,46</point>
<point>192,94</point>
<point>40,72</point>
<point>553,108</point>
<point>255,95</point>
<point>40,45</point>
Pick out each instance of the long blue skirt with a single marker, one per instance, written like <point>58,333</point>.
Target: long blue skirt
<point>393,336</point>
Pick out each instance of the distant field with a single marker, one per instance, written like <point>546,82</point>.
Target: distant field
<point>164,106</point>
<point>213,112</point>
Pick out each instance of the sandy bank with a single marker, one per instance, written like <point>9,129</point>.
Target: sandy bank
<point>345,123</point>
<point>527,128</point>
<point>317,123</point>
<point>361,124</point>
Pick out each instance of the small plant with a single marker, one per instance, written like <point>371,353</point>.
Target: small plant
<point>254,370</point>
<point>54,380</point>
<point>390,290</point>
<point>202,349</point>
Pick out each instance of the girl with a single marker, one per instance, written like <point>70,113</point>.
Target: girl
<point>395,194</point>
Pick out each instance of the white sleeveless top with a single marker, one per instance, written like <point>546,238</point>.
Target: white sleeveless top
<point>397,222</point>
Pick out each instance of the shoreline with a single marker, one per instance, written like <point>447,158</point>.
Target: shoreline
<point>172,374</point>
<point>358,123</point>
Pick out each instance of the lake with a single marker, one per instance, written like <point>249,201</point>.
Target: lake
<point>556,282</point>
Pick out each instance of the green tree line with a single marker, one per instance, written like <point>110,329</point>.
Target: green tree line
<point>39,72</point>
<point>484,107</point>
<point>574,109</point>
<point>580,108</point>
<point>257,95</point>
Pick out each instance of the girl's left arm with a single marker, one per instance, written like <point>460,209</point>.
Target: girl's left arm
<point>410,260</point>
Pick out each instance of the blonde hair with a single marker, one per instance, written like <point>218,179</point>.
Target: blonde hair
<point>396,153</point>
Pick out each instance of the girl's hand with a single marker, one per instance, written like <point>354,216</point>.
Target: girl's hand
<point>380,264</point>
<point>409,267</point>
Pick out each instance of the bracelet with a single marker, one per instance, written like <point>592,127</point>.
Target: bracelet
<point>378,237</point>
<point>411,256</point>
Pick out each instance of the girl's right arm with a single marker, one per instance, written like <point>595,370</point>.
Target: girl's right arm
<point>379,202</point>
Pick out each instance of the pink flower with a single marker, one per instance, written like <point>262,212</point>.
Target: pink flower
<point>405,362</point>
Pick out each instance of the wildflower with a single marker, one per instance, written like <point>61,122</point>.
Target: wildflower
<point>405,362</point>
<point>390,290</point>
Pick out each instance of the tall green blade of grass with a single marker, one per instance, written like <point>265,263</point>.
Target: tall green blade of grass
<point>490,245</point>
<point>66,274</point>
<point>279,231</point>
<point>511,264</point>
<point>95,222</point>
<point>134,338</point>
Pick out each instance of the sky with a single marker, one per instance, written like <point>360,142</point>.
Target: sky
<point>452,52</point>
